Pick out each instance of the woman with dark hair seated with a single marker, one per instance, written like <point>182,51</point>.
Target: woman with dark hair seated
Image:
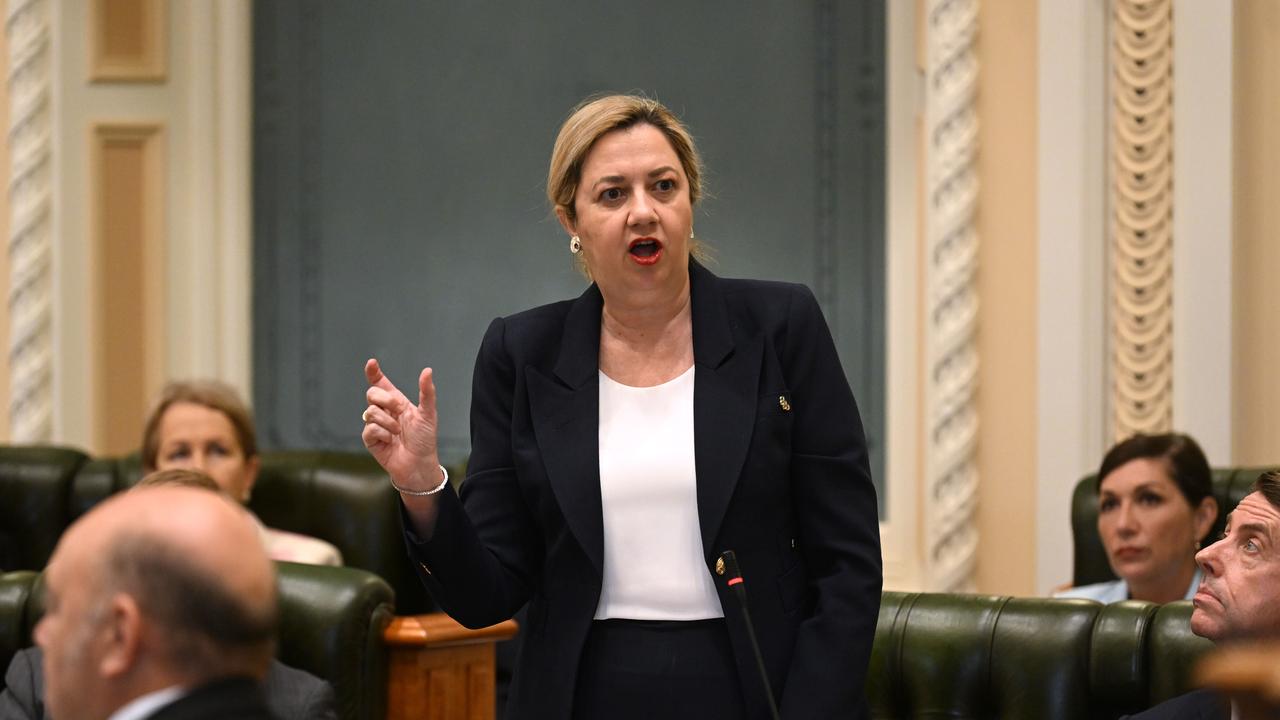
<point>1155,506</point>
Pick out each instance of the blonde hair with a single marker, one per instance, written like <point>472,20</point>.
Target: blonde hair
<point>594,118</point>
<point>209,393</point>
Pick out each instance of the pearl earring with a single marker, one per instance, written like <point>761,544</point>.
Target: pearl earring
<point>575,245</point>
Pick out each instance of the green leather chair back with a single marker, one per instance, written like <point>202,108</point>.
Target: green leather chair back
<point>331,625</point>
<point>340,497</point>
<point>346,499</point>
<point>17,614</point>
<point>35,484</point>
<point>973,656</point>
<point>1230,485</point>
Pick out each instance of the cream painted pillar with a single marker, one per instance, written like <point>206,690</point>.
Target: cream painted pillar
<point>191,91</point>
<point>1071,237</point>
<point>1006,222</point>
<point>1256,238</point>
<point>900,533</point>
<point>1202,218</point>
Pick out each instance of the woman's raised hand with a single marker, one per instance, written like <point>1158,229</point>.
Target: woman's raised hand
<point>400,435</point>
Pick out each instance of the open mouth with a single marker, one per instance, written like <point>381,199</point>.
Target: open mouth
<point>645,251</point>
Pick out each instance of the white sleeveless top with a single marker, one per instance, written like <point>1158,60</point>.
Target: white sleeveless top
<point>653,566</point>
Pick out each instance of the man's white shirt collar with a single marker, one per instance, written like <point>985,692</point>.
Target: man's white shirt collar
<point>142,707</point>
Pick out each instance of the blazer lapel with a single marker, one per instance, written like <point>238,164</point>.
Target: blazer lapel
<point>566,417</point>
<point>724,401</point>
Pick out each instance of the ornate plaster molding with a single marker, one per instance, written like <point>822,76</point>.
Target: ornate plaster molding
<point>950,264</point>
<point>1142,216</point>
<point>30,241</point>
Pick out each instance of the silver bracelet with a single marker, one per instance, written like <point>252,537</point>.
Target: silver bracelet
<point>422,493</point>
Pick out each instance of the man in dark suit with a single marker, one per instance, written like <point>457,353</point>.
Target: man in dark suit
<point>160,603</point>
<point>1237,596</point>
<point>291,694</point>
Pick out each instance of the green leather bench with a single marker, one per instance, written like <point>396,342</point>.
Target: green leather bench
<point>332,622</point>
<point>1230,485</point>
<point>975,656</point>
<point>340,497</point>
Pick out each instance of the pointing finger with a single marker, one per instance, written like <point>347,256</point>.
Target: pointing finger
<point>373,373</point>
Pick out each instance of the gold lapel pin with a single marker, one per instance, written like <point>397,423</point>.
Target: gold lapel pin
<point>782,402</point>
<point>719,566</point>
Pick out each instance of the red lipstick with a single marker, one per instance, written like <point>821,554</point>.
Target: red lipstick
<point>645,250</point>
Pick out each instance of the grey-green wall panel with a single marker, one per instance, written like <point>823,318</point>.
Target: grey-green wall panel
<point>400,152</point>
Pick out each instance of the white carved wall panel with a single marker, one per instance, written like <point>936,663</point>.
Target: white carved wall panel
<point>951,304</point>
<point>1142,216</point>
<point>30,241</point>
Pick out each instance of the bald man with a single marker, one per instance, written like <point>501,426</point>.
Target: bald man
<point>161,604</point>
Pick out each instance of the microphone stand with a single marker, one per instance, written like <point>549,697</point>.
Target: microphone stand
<point>733,578</point>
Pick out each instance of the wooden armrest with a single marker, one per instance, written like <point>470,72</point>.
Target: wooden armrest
<point>440,630</point>
<point>439,668</point>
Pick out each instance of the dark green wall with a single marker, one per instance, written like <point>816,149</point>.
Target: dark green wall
<point>400,152</point>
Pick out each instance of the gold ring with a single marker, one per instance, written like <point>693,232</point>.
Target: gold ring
<point>365,416</point>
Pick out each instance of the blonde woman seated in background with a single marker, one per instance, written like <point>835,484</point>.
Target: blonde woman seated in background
<point>1155,506</point>
<point>203,424</point>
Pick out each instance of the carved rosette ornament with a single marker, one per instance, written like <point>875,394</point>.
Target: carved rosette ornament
<point>1142,217</point>
<point>951,245</point>
<point>28,34</point>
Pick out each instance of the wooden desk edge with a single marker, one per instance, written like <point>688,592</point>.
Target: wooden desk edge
<point>440,630</point>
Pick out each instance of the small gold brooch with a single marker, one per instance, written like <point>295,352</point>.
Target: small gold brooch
<point>782,402</point>
<point>719,566</point>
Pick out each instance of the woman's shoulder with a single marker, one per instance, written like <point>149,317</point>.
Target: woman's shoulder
<point>1103,592</point>
<point>295,547</point>
<point>765,298</point>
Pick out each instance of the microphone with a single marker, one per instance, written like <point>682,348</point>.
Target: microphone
<point>733,578</point>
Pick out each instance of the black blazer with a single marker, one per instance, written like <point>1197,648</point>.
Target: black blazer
<point>239,698</point>
<point>782,479</point>
<point>291,694</point>
<point>1195,705</point>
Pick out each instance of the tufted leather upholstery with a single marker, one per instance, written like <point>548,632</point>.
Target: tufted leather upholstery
<point>35,483</point>
<point>332,620</point>
<point>973,656</point>
<point>1230,485</point>
<point>340,497</point>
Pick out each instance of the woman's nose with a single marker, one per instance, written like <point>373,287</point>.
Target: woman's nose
<point>642,210</point>
<point>200,461</point>
<point>1126,521</point>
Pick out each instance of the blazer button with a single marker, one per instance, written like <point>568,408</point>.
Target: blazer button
<point>719,566</point>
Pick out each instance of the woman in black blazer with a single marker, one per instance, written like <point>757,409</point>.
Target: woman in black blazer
<point>622,441</point>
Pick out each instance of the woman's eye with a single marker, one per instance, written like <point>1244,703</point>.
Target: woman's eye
<point>665,185</point>
<point>218,450</point>
<point>611,194</point>
<point>1107,504</point>
<point>179,454</point>
<point>1150,499</point>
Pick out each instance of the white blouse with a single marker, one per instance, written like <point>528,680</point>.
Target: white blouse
<point>653,556</point>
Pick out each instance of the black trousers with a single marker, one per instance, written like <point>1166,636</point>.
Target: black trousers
<point>657,669</point>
